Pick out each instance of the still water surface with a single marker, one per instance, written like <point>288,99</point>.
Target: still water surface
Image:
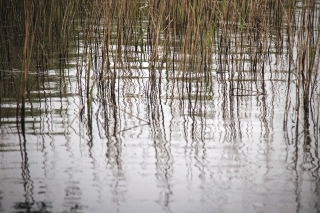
<point>161,146</point>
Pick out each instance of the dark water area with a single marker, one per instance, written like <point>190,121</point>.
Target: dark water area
<point>152,137</point>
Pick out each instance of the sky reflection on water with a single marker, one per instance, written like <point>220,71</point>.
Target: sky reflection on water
<point>145,137</point>
<point>224,154</point>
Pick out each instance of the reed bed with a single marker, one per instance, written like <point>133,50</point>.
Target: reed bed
<point>192,43</point>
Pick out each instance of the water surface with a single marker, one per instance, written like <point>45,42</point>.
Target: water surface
<point>170,141</point>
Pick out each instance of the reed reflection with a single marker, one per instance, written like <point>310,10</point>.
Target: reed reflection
<point>222,95</point>
<point>161,145</point>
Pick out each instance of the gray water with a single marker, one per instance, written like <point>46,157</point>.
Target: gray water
<point>164,145</point>
<point>229,154</point>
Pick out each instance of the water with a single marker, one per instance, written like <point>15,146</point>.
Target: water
<point>176,143</point>
<point>229,156</point>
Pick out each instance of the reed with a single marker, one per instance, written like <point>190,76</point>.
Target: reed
<point>189,41</point>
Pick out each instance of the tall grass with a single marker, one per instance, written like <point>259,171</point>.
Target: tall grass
<point>191,40</point>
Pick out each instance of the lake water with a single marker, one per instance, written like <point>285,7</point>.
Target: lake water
<point>176,142</point>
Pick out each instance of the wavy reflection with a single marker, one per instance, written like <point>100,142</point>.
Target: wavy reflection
<point>145,107</point>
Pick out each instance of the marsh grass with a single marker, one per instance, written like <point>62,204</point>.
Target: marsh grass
<point>189,42</point>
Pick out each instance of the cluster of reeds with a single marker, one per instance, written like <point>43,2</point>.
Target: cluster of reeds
<point>33,36</point>
<point>164,51</point>
<point>189,41</point>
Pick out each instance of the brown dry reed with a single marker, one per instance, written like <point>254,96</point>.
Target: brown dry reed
<point>192,40</point>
